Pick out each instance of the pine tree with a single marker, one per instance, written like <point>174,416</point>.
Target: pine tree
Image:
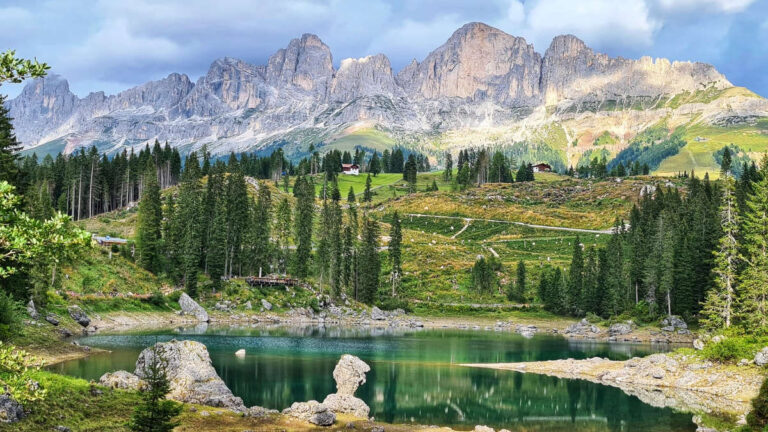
<point>576,280</point>
<point>395,242</point>
<point>375,164</point>
<point>448,173</point>
<point>148,234</point>
<point>217,249</point>
<point>260,232</point>
<point>9,147</point>
<point>718,308</point>
<point>516,292</point>
<point>370,264</point>
<point>304,215</point>
<point>190,217</point>
<point>155,413</point>
<point>753,296</point>
<point>283,224</point>
<point>367,194</point>
<point>725,164</point>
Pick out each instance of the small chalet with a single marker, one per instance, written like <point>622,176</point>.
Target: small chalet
<point>542,167</point>
<point>350,169</point>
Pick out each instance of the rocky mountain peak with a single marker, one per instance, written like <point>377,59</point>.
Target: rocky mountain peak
<point>306,64</point>
<point>566,46</point>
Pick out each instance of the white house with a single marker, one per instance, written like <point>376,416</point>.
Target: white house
<point>350,169</point>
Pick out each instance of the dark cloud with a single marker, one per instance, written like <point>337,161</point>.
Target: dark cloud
<point>112,45</point>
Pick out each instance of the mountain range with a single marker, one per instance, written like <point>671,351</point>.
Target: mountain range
<point>482,87</point>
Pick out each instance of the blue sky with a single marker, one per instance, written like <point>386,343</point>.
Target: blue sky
<point>114,45</point>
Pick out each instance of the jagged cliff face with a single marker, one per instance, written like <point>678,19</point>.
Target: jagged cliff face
<point>480,79</point>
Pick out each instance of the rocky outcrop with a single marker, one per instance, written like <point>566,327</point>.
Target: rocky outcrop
<point>32,310</point>
<point>761,358</point>
<point>52,319</point>
<point>582,328</point>
<point>480,77</point>
<point>266,305</point>
<point>79,315</point>
<point>122,380</point>
<point>190,307</point>
<point>680,382</point>
<point>10,410</point>
<point>349,374</point>
<point>312,411</point>
<point>672,323</point>
<point>620,329</point>
<point>191,375</point>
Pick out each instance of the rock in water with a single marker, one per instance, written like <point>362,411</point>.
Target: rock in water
<point>121,380</point>
<point>190,307</point>
<point>79,315</point>
<point>190,373</point>
<point>312,411</point>
<point>240,353</point>
<point>349,375</point>
<point>10,410</point>
<point>32,310</point>
<point>266,305</point>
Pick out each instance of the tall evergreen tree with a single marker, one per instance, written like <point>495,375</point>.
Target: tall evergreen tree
<point>370,264</point>
<point>304,216</point>
<point>718,308</point>
<point>375,165</point>
<point>753,296</point>
<point>368,194</point>
<point>516,291</point>
<point>576,280</point>
<point>9,147</point>
<point>283,225</point>
<point>448,173</point>
<point>148,229</point>
<point>395,252</point>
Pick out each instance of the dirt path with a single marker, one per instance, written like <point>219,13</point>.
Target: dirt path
<point>466,225</point>
<point>546,227</point>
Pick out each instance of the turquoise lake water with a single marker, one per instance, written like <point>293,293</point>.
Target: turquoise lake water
<point>414,378</point>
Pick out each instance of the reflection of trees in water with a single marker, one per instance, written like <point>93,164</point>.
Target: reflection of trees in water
<point>390,394</point>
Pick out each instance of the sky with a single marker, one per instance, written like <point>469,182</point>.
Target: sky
<point>114,45</point>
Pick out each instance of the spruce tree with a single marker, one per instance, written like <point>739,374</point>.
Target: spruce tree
<point>516,291</point>
<point>191,223</point>
<point>375,164</point>
<point>576,280</point>
<point>303,220</point>
<point>367,194</point>
<point>370,264</point>
<point>448,173</point>
<point>753,296</point>
<point>155,413</point>
<point>260,232</point>
<point>217,249</point>
<point>718,308</point>
<point>9,147</point>
<point>148,228</point>
<point>395,243</point>
<point>283,224</point>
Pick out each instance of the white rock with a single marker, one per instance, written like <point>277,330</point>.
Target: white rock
<point>240,353</point>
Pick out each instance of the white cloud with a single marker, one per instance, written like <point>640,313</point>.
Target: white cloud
<point>686,6</point>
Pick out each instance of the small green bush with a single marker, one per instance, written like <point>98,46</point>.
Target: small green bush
<point>156,299</point>
<point>10,316</point>
<point>729,349</point>
<point>757,419</point>
<point>392,303</point>
<point>174,296</point>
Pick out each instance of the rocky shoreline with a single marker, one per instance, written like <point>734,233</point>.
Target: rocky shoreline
<point>682,382</point>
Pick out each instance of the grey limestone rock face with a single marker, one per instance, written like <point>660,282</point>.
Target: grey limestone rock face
<point>761,358</point>
<point>190,307</point>
<point>191,375</point>
<point>620,329</point>
<point>480,76</point>
<point>349,374</point>
<point>32,310</point>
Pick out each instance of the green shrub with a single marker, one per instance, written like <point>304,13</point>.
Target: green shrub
<point>392,303</point>
<point>592,318</point>
<point>10,316</point>
<point>16,367</point>
<point>156,299</point>
<point>730,349</point>
<point>174,296</point>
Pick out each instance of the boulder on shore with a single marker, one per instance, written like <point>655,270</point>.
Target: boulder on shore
<point>191,375</point>
<point>620,329</point>
<point>266,305</point>
<point>32,310</point>
<point>10,410</point>
<point>582,328</point>
<point>312,411</point>
<point>674,322</point>
<point>79,315</point>
<point>190,307</point>
<point>761,358</point>
<point>122,380</point>
<point>52,319</point>
<point>349,374</point>
<point>377,314</point>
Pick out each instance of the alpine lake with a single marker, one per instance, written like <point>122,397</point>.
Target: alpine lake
<point>415,376</point>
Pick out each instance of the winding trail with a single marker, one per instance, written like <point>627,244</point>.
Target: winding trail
<point>546,227</point>
<point>466,225</point>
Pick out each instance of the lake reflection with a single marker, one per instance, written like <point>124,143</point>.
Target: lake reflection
<point>414,375</point>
